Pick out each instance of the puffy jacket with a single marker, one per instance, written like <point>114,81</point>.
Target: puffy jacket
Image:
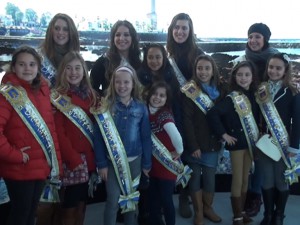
<point>14,135</point>
<point>71,140</point>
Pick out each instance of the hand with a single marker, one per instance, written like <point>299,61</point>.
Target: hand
<point>103,173</point>
<point>175,155</point>
<point>229,139</point>
<point>25,155</point>
<point>146,172</point>
<point>197,154</point>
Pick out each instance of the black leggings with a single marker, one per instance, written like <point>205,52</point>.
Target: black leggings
<point>24,197</point>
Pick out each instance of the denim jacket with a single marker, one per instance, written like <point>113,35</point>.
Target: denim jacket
<point>132,123</point>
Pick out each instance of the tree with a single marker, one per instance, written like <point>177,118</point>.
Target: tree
<point>14,11</point>
<point>31,16</point>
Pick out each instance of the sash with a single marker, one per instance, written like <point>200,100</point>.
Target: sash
<point>201,99</point>
<point>17,97</point>
<point>74,113</point>
<point>161,153</point>
<point>130,196</point>
<point>243,108</point>
<point>48,70</point>
<point>279,133</point>
<point>180,78</point>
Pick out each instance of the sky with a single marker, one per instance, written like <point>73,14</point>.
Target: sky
<point>211,18</point>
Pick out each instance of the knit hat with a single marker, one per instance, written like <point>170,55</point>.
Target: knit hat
<point>261,28</point>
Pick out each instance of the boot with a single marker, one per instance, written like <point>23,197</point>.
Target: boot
<point>280,203</point>
<point>208,211</point>
<point>246,218</point>
<point>236,204</point>
<point>198,207</point>
<point>185,210</point>
<point>254,204</point>
<point>268,197</point>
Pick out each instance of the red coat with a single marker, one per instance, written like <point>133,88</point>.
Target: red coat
<point>14,135</point>
<point>71,140</point>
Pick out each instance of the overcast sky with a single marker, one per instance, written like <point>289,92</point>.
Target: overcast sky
<point>212,18</point>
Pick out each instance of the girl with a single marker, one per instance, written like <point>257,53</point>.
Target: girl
<point>61,37</point>
<point>202,147</point>
<point>282,121</point>
<point>124,46</point>
<point>123,123</point>
<point>183,50</point>
<point>234,120</point>
<point>28,141</point>
<point>162,180</point>
<point>75,135</point>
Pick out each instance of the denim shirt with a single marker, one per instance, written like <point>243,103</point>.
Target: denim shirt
<point>132,123</point>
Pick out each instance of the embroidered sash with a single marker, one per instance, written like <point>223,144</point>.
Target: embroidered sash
<point>180,78</point>
<point>48,70</point>
<point>130,196</point>
<point>74,113</point>
<point>161,153</point>
<point>17,97</point>
<point>278,130</point>
<point>243,108</point>
<point>201,99</point>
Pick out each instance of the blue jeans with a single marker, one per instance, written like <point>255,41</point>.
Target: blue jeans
<point>113,194</point>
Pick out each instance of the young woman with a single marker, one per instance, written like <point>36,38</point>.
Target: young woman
<point>280,110</point>
<point>29,146</point>
<point>168,149</point>
<point>124,47</point>
<point>123,144</point>
<point>235,120</point>
<point>183,50</point>
<point>74,94</point>
<point>202,146</point>
<point>61,37</point>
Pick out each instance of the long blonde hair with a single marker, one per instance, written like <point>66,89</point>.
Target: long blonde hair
<point>111,97</point>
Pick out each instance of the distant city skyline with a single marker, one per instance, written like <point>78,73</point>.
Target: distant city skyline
<point>211,18</point>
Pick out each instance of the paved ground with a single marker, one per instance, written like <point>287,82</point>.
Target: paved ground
<point>222,207</point>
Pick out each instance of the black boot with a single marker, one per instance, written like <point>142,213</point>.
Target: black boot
<point>282,197</point>
<point>268,197</point>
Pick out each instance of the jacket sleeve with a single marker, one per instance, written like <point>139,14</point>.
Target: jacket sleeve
<point>295,131</point>
<point>98,75</point>
<point>146,141</point>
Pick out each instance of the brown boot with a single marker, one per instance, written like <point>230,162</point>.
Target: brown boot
<point>198,207</point>
<point>236,204</point>
<point>184,205</point>
<point>246,218</point>
<point>208,211</point>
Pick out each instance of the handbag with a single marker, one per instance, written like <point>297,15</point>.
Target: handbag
<point>268,146</point>
<point>77,176</point>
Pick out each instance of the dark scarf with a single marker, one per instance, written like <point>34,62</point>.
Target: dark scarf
<point>260,56</point>
<point>79,91</point>
<point>60,52</point>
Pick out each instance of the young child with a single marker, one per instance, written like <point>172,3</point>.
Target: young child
<point>169,148</point>
<point>280,110</point>
<point>73,96</point>
<point>123,144</point>
<point>202,147</point>
<point>28,141</point>
<point>234,119</point>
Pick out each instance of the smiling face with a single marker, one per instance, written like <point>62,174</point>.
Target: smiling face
<point>26,67</point>
<point>154,59</point>
<point>181,31</point>
<point>122,39</point>
<point>159,98</point>
<point>61,32</point>
<point>276,69</point>
<point>74,72</point>
<point>244,77</point>
<point>256,41</point>
<point>204,71</point>
<point>123,84</point>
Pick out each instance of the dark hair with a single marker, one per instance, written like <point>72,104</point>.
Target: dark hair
<point>233,85</point>
<point>154,87</point>
<point>36,82</point>
<point>189,47</point>
<point>287,67</point>
<point>48,45</point>
<point>113,52</point>
<point>216,75</point>
<point>262,29</point>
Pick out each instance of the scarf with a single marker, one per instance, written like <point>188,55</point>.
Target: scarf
<point>211,90</point>
<point>260,56</point>
<point>275,86</point>
<point>60,52</point>
<point>80,91</point>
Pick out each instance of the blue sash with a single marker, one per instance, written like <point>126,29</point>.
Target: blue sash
<point>180,78</point>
